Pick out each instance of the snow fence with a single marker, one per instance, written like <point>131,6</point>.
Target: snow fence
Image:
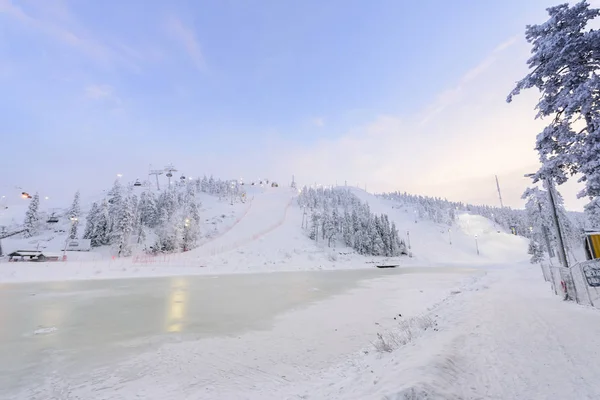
<point>579,283</point>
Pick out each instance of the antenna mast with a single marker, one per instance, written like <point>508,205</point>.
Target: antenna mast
<point>499,193</point>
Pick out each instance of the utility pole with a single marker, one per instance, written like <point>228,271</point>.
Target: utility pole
<point>562,251</point>
<point>499,193</point>
<point>562,254</point>
<point>545,233</point>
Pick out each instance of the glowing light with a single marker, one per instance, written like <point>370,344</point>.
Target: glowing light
<point>119,175</point>
<point>47,198</point>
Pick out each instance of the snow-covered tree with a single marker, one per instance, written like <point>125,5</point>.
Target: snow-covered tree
<point>123,227</point>
<point>147,210</point>
<point>539,212</point>
<point>565,66</point>
<point>115,204</point>
<point>32,217</point>
<point>100,235</point>
<point>73,214</point>
<point>537,254</point>
<point>592,210</point>
<point>90,223</point>
<point>360,229</point>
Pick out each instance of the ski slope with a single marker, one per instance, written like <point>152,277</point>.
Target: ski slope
<point>266,234</point>
<point>430,242</point>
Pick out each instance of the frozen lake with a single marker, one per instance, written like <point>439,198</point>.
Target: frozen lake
<point>62,328</point>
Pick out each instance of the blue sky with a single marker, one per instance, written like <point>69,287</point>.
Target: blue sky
<point>259,88</point>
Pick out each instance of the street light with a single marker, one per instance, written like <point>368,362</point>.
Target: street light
<point>450,236</point>
<point>476,245</point>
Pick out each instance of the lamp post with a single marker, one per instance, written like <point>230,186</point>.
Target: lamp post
<point>450,236</point>
<point>408,238</point>
<point>476,245</point>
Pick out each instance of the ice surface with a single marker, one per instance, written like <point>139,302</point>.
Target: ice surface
<point>84,325</point>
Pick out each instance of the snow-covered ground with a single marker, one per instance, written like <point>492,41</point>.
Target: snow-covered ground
<point>458,324</point>
<point>265,234</point>
<point>499,334</point>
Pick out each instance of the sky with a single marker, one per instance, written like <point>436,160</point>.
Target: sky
<point>387,94</point>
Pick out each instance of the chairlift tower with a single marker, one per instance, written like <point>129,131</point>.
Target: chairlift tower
<point>293,185</point>
<point>156,172</point>
<point>169,169</point>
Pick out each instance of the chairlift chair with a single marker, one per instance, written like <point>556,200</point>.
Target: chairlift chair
<point>137,183</point>
<point>52,219</point>
<point>182,178</point>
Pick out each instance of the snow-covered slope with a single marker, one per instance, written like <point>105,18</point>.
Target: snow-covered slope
<point>433,243</point>
<point>265,234</point>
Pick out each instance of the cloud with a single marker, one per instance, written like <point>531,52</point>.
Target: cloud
<point>54,19</point>
<point>47,24</point>
<point>187,38</point>
<point>97,92</point>
<point>453,148</point>
<point>448,97</point>
<point>318,122</point>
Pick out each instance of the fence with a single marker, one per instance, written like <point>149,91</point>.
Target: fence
<point>580,283</point>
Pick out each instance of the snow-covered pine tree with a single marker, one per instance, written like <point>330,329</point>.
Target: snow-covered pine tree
<point>565,65</point>
<point>123,228</point>
<point>212,187</point>
<point>192,220</point>
<point>328,229</point>
<point>395,244</point>
<point>147,209</point>
<point>537,255</point>
<point>75,209</point>
<point>377,248</point>
<point>101,232</point>
<point>32,217</point>
<point>73,214</point>
<point>115,205</point>
<point>91,221</point>
<point>315,219</point>
<point>592,210</point>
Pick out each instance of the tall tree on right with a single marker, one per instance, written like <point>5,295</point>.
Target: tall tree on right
<point>565,66</point>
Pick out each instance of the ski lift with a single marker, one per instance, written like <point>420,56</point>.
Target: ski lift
<point>52,219</point>
<point>182,178</point>
<point>169,174</point>
<point>137,183</point>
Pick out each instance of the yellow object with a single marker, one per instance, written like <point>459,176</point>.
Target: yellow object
<point>594,240</point>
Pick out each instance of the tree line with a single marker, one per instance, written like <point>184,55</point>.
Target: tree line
<point>336,215</point>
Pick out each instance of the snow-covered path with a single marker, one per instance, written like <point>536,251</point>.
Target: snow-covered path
<point>521,342</point>
<point>505,336</point>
